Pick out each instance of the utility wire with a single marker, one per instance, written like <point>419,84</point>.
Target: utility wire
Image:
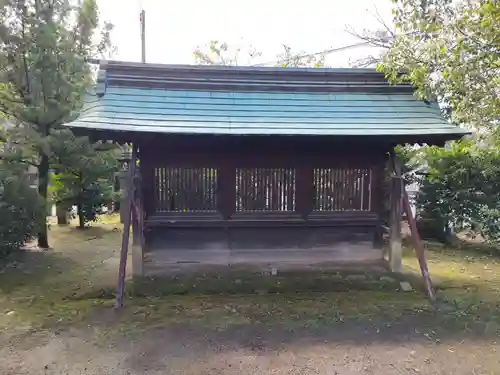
<point>331,50</point>
<point>325,52</point>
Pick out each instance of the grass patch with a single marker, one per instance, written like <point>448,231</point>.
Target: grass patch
<point>74,282</point>
<point>245,282</point>
<point>35,285</point>
<point>286,310</point>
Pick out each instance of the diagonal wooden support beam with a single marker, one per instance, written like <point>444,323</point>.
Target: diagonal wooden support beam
<point>419,247</point>
<point>120,287</point>
<point>400,203</point>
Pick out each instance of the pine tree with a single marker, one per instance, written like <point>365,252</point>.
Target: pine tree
<point>45,46</point>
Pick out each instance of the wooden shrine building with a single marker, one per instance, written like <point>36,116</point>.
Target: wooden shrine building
<point>257,166</point>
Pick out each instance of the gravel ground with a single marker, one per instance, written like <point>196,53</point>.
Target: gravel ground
<point>344,350</point>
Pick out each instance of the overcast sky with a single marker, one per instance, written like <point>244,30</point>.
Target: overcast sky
<point>176,28</point>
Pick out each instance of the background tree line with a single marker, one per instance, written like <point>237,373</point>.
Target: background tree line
<point>450,51</point>
<point>45,46</point>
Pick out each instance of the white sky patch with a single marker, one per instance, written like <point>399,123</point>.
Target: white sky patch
<point>175,28</point>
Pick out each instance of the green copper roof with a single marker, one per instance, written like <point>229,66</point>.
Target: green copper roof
<point>257,101</point>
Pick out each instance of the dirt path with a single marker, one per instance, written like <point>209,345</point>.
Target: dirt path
<point>344,350</point>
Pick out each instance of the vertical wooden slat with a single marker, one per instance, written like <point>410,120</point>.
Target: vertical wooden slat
<point>335,173</point>
<point>346,194</point>
<point>158,190</point>
<point>169,193</point>
<point>332,173</point>
<point>207,188</point>
<point>282,183</point>
<point>315,185</point>
<point>352,192</point>
<point>213,183</point>
<point>364,182</point>
<point>320,176</point>
<point>157,199</point>
<point>163,184</point>
<point>238,191</point>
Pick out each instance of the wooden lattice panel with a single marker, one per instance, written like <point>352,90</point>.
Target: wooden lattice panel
<point>341,189</point>
<point>265,189</point>
<point>186,189</point>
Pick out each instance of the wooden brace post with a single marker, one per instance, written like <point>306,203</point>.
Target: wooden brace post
<point>419,247</point>
<point>401,202</point>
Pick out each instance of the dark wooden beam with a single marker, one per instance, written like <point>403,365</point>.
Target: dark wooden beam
<point>377,197</point>
<point>120,287</point>
<point>305,190</point>
<point>395,252</point>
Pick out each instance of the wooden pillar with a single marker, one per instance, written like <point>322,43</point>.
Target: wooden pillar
<point>304,190</point>
<point>148,187</point>
<point>226,194</point>
<point>395,248</point>
<point>127,207</point>
<point>377,199</point>
<point>138,227</point>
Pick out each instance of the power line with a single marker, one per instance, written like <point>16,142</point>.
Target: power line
<point>331,50</point>
<point>325,52</point>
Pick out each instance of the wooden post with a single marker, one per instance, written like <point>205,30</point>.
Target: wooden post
<point>396,249</point>
<point>304,190</point>
<point>127,207</point>
<point>376,199</point>
<point>419,247</point>
<point>226,194</point>
<point>138,227</point>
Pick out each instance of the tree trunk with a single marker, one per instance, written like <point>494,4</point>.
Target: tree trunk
<point>81,220</point>
<point>43,184</point>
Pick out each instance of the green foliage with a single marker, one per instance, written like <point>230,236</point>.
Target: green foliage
<point>463,188</point>
<point>20,206</point>
<point>221,53</point>
<point>450,50</point>
<point>84,175</point>
<point>44,46</point>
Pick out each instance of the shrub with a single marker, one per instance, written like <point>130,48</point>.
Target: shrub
<point>20,209</point>
<point>462,189</point>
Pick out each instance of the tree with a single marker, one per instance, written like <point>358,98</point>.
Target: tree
<point>43,69</point>
<point>462,189</point>
<point>20,207</point>
<point>450,50</point>
<point>383,37</point>
<point>221,53</point>
<point>84,175</point>
<point>289,59</point>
